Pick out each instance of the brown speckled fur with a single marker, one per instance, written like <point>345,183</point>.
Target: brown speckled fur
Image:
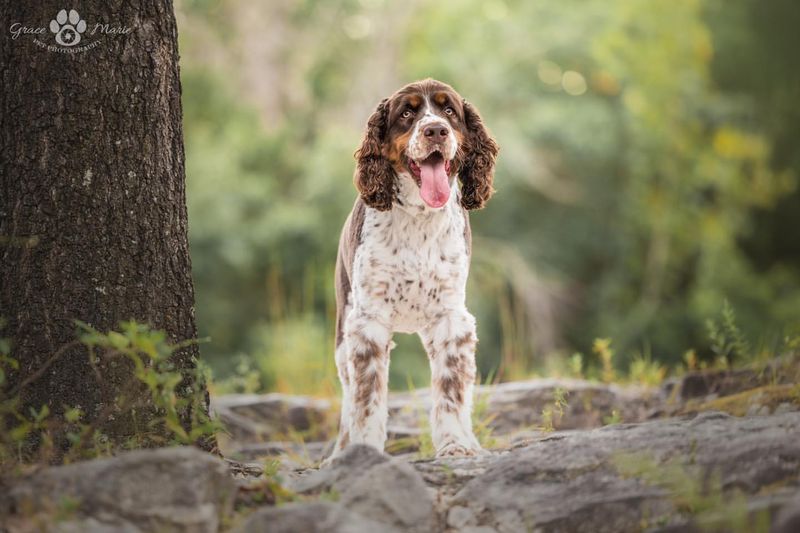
<point>402,264</point>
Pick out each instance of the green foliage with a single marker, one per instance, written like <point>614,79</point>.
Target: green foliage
<point>576,364</point>
<point>613,418</point>
<point>482,420</point>
<point>602,348</point>
<point>154,367</point>
<point>645,371</point>
<point>244,380</point>
<point>727,340</point>
<point>647,172</point>
<point>171,401</point>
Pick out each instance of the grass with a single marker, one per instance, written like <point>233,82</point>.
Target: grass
<point>553,412</point>
<point>694,491</point>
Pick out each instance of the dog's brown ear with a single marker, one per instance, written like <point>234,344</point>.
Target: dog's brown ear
<point>477,168</point>
<point>374,176</point>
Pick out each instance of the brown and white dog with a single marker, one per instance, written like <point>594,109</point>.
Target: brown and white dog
<point>404,258</point>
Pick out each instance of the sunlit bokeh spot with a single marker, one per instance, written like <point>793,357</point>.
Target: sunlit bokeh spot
<point>358,27</point>
<point>549,72</point>
<point>573,83</point>
<point>496,10</point>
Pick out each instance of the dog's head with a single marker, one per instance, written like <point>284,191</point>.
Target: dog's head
<point>427,133</point>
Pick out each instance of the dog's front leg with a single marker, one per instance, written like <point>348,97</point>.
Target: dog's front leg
<point>368,366</point>
<point>450,342</point>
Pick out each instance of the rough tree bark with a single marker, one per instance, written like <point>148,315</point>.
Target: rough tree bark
<point>93,222</point>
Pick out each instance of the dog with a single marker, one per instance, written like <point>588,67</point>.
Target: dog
<point>403,260</point>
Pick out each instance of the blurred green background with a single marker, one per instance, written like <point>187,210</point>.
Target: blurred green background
<point>648,174</point>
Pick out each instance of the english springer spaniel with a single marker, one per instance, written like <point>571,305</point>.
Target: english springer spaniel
<point>404,258</point>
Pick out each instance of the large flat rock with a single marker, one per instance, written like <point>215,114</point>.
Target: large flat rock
<point>165,490</point>
<point>573,481</point>
<point>266,417</point>
<point>518,405</point>
<point>711,472</point>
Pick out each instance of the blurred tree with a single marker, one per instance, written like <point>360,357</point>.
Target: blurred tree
<point>755,63</point>
<point>637,188</point>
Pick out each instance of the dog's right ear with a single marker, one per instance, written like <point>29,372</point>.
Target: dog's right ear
<point>374,177</point>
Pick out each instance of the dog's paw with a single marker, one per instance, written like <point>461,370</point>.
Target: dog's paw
<point>68,27</point>
<point>454,449</point>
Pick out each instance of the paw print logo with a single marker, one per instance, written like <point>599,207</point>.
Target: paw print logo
<point>68,28</point>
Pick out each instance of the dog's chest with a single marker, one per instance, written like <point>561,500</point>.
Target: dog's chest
<point>409,269</point>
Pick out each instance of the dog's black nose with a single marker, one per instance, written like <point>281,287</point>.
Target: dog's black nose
<point>436,131</point>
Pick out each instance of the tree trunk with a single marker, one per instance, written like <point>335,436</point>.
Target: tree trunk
<point>93,222</point>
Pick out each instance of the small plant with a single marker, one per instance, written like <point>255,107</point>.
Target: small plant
<point>173,400</point>
<point>67,508</point>
<point>482,420</point>
<point>330,495</point>
<point>727,340</point>
<point>481,417</point>
<point>181,415</point>
<point>602,347</point>
<point>613,418</point>
<point>690,359</point>
<point>245,380</point>
<point>272,483</point>
<point>576,365</point>
<point>554,410</point>
<point>267,490</point>
<point>547,419</point>
<point>646,371</point>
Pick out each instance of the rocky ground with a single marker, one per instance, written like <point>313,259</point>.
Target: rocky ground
<point>712,451</point>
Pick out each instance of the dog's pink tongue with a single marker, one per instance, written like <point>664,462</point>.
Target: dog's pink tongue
<point>435,187</point>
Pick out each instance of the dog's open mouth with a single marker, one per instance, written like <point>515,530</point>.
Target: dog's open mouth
<point>433,174</point>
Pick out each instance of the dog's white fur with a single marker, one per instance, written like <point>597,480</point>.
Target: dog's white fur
<point>409,275</point>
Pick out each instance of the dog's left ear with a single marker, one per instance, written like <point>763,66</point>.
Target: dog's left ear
<point>477,168</point>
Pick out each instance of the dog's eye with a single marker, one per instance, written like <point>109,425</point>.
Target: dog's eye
<point>448,111</point>
<point>407,113</point>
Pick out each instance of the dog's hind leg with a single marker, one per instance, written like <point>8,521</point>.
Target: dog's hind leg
<point>344,423</point>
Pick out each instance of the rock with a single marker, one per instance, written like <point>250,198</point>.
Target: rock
<point>788,518</point>
<point>584,478</point>
<point>355,461</point>
<point>258,423</point>
<point>570,480</point>
<point>170,489</point>
<point>269,417</point>
<point>705,383</point>
<point>295,454</point>
<point>716,383</point>
<point>517,405</point>
<point>375,486</point>
<point>315,517</point>
<point>395,494</point>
